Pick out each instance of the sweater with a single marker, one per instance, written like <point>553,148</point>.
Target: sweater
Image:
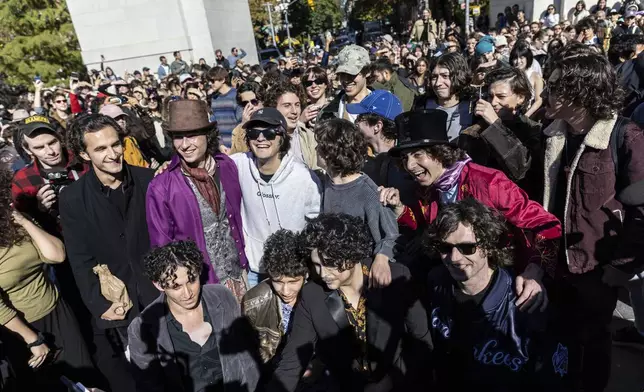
<point>284,202</point>
<point>27,290</point>
<point>227,113</point>
<point>360,198</point>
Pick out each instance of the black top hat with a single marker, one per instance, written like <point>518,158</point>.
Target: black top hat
<point>420,128</point>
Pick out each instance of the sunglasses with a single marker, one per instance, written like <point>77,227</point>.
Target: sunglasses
<point>60,101</point>
<point>269,133</point>
<point>253,102</point>
<point>465,248</point>
<point>309,83</point>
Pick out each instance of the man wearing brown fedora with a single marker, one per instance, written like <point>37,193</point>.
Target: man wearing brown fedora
<point>198,197</point>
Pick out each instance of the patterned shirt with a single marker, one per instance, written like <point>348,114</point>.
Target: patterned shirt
<point>358,320</point>
<point>286,315</point>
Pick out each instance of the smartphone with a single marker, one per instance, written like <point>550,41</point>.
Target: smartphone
<point>37,78</point>
<point>72,386</point>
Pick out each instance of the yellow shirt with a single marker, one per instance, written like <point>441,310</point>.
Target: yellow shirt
<point>132,153</point>
<point>25,288</point>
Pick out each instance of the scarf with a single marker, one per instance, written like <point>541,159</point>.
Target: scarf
<point>450,177</point>
<point>204,181</point>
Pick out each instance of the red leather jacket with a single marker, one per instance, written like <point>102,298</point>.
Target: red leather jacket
<point>536,233</point>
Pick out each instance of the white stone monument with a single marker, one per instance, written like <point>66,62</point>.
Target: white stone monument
<point>132,34</point>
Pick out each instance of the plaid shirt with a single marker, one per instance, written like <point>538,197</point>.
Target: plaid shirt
<point>26,184</point>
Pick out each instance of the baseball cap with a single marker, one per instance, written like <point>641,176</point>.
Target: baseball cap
<point>485,45</point>
<point>630,14</point>
<point>112,111</point>
<point>32,123</point>
<point>380,102</point>
<point>614,11</point>
<point>183,78</point>
<point>269,116</point>
<point>388,38</point>
<point>352,59</point>
<point>500,40</point>
<point>137,72</point>
<point>146,69</point>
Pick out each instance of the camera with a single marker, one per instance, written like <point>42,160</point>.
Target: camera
<point>58,181</point>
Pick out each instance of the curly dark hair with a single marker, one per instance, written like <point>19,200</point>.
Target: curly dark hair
<point>343,240</point>
<point>342,146</point>
<point>10,233</point>
<point>87,123</point>
<point>283,255</point>
<point>488,225</point>
<point>586,23</point>
<point>160,264</point>
<point>459,72</point>
<point>389,130</point>
<point>578,64</point>
<point>446,154</point>
<point>281,88</point>
<point>252,87</point>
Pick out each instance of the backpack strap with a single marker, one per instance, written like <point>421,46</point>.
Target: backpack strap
<point>617,141</point>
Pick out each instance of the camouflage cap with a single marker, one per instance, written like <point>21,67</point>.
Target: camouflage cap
<point>352,59</point>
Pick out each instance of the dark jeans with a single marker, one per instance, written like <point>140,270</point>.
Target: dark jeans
<point>63,338</point>
<point>584,307</point>
<point>108,352</point>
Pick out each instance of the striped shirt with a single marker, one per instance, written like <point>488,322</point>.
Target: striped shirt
<point>227,113</point>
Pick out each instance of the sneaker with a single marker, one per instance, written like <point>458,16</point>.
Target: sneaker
<point>628,337</point>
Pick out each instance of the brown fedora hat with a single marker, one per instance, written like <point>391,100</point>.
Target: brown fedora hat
<point>187,115</point>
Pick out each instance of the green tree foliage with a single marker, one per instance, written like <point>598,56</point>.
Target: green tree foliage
<point>259,16</point>
<point>369,10</point>
<point>37,38</point>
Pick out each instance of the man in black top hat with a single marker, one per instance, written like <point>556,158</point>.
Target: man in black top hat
<point>446,175</point>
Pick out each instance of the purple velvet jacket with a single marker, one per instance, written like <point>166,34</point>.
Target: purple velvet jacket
<point>172,210</point>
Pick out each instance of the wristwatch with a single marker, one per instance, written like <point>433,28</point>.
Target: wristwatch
<point>38,342</point>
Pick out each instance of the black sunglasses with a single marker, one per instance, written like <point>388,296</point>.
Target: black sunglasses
<point>269,133</point>
<point>309,83</point>
<point>253,102</point>
<point>465,248</point>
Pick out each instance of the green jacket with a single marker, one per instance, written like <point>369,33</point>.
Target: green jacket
<point>399,89</point>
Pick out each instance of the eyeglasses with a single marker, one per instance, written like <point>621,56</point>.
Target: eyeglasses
<point>551,9</point>
<point>269,133</point>
<point>60,101</point>
<point>253,102</point>
<point>309,83</point>
<point>465,248</point>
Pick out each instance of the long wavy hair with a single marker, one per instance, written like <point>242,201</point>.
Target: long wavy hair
<point>580,64</point>
<point>10,233</point>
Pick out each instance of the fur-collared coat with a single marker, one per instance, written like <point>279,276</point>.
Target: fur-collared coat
<point>604,210</point>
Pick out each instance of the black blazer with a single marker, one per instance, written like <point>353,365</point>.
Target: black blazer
<point>397,335</point>
<point>95,232</point>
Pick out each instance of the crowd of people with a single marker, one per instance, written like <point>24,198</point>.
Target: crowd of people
<point>427,211</point>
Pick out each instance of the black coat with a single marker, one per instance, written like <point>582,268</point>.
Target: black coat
<point>398,337</point>
<point>513,146</point>
<point>95,232</point>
